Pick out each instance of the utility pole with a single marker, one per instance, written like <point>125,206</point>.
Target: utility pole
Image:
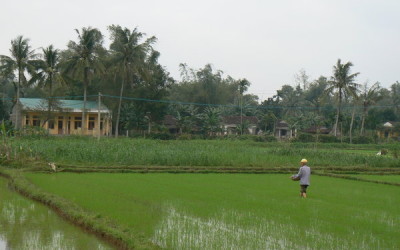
<point>99,118</point>
<point>241,112</point>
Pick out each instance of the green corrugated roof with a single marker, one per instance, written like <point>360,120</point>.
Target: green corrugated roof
<point>65,105</point>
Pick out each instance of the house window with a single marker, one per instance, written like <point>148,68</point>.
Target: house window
<point>51,124</point>
<point>36,121</point>
<point>27,120</point>
<point>91,123</point>
<point>78,122</point>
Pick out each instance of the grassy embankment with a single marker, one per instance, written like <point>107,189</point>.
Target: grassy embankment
<point>219,211</point>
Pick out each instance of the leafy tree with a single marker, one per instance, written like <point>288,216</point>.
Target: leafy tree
<point>395,96</point>
<point>368,97</point>
<point>20,61</point>
<point>205,86</point>
<point>187,117</point>
<point>302,79</point>
<point>211,121</point>
<point>267,122</point>
<point>154,86</point>
<point>83,60</point>
<point>243,86</point>
<point>291,99</point>
<point>315,94</point>
<point>343,83</point>
<point>132,117</point>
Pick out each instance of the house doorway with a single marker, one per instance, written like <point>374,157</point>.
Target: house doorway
<point>60,127</point>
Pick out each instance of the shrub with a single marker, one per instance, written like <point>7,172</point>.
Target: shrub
<point>363,140</point>
<point>265,138</point>
<point>32,131</point>
<point>328,139</point>
<point>162,136</point>
<point>184,137</point>
<point>305,138</point>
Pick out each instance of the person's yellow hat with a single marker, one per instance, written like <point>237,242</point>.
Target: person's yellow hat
<point>304,160</point>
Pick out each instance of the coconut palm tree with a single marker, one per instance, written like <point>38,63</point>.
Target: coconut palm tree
<point>20,61</point>
<point>343,83</point>
<point>369,96</point>
<point>47,69</point>
<point>128,57</point>
<point>243,86</point>
<point>47,74</point>
<point>84,61</point>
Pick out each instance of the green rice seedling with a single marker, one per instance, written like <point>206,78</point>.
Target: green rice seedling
<point>241,211</point>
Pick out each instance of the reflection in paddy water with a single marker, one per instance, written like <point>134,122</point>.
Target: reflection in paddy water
<point>25,224</point>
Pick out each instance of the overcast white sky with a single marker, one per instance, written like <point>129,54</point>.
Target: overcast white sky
<point>265,41</point>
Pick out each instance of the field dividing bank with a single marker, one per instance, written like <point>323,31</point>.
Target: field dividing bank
<point>111,152</point>
<point>241,211</point>
<point>389,179</point>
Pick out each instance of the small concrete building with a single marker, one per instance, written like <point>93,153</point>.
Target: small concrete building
<point>389,130</point>
<point>231,123</point>
<point>283,131</point>
<point>317,130</point>
<point>170,123</point>
<point>63,118</point>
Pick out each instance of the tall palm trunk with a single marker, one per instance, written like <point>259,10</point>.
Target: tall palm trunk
<point>85,84</point>
<point>124,77</point>
<point>351,124</point>
<point>49,103</point>
<point>119,108</point>
<point>363,121</point>
<point>338,112</point>
<point>18,114</point>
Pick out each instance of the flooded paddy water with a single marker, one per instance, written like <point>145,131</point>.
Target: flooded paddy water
<point>25,224</point>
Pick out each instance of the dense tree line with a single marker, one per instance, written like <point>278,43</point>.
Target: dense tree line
<point>141,92</point>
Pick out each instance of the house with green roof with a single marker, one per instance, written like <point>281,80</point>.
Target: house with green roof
<point>62,117</point>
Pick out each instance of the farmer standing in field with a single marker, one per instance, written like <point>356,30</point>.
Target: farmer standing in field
<point>304,177</point>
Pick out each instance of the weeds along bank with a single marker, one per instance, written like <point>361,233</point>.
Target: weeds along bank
<point>230,153</point>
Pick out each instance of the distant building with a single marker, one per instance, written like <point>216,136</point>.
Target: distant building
<point>170,123</point>
<point>317,129</point>
<point>64,118</point>
<point>230,124</point>
<point>389,130</point>
<point>283,131</point>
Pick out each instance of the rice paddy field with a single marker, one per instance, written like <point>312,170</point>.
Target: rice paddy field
<point>237,211</point>
<point>129,182</point>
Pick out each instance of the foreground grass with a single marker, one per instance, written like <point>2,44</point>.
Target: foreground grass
<point>222,211</point>
<point>133,152</point>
